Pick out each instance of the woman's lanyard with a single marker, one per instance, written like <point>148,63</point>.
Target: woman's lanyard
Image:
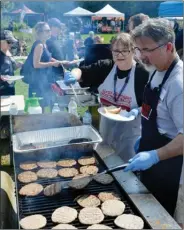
<point>123,88</point>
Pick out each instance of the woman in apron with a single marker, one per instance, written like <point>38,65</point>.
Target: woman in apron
<point>119,89</point>
<point>123,87</point>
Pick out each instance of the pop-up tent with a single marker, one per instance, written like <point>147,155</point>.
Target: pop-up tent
<point>24,13</point>
<point>109,11</point>
<point>79,11</point>
<point>171,9</point>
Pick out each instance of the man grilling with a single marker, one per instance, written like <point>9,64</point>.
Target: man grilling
<point>160,148</point>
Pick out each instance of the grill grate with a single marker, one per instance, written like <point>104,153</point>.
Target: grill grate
<point>46,205</point>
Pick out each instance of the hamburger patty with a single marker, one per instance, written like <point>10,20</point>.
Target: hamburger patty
<point>89,169</point>
<point>33,222</point>
<point>113,207</point>
<point>28,165</point>
<point>86,161</point>
<point>68,172</point>
<point>91,216</point>
<point>64,215</point>
<point>52,189</point>
<point>27,177</point>
<point>104,179</point>
<point>99,226</point>
<point>66,163</point>
<point>31,189</point>
<point>129,221</point>
<point>80,184</point>
<point>47,173</point>
<point>64,226</point>
<point>88,201</point>
<point>103,196</point>
<point>46,164</point>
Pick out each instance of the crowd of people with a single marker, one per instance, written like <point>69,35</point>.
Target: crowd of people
<point>144,77</point>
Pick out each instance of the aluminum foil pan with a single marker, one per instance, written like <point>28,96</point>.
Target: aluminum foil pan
<point>48,138</point>
<point>68,90</point>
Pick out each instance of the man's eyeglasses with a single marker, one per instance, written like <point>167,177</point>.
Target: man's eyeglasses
<point>138,51</point>
<point>118,52</point>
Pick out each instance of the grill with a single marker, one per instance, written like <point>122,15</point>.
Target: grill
<point>46,205</point>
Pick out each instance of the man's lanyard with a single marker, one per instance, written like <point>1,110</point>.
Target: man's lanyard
<point>166,76</point>
<point>123,88</point>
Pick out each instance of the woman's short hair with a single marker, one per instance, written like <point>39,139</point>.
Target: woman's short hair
<point>39,27</point>
<point>125,39</point>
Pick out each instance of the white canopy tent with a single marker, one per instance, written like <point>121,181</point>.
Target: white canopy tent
<point>109,11</point>
<point>79,11</point>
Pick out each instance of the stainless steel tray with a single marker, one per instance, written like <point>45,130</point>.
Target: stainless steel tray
<point>48,138</point>
<point>68,90</point>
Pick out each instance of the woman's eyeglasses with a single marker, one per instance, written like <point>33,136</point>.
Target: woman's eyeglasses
<point>122,52</point>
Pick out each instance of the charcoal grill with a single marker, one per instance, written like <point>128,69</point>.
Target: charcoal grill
<point>46,205</point>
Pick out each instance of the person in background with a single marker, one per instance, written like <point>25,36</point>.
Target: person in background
<point>113,25</point>
<point>7,67</point>
<point>54,47</point>
<point>42,63</point>
<point>136,20</point>
<point>89,40</point>
<point>8,64</point>
<point>160,148</point>
<point>71,51</point>
<point>10,26</point>
<point>123,87</point>
<point>98,39</point>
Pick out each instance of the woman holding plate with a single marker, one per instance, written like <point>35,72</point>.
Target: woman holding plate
<point>122,87</point>
<point>8,64</point>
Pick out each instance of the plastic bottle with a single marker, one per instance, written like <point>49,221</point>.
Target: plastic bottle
<point>13,110</point>
<point>87,118</point>
<point>56,108</point>
<point>32,105</point>
<point>72,107</point>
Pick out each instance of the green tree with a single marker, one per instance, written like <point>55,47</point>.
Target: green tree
<point>6,6</point>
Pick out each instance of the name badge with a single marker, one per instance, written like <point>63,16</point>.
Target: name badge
<point>146,111</point>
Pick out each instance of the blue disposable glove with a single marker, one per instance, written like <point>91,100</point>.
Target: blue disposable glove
<point>134,112</point>
<point>69,79</point>
<point>137,143</point>
<point>143,161</point>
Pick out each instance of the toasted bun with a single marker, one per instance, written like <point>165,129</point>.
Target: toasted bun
<point>112,109</point>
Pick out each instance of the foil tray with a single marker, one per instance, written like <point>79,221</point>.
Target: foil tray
<point>68,90</point>
<point>25,142</point>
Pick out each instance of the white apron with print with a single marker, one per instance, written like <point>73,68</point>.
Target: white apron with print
<point>121,136</point>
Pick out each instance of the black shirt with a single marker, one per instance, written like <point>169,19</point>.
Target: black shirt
<point>55,49</point>
<point>94,75</point>
<point>6,68</point>
<point>88,41</point>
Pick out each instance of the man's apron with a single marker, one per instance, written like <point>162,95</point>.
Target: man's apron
<point>163,178</point>
<point>121,136</point>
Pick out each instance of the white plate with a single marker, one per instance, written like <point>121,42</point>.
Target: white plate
<point>77,61</point>
<point>122,116</point>
<point>12,78</point>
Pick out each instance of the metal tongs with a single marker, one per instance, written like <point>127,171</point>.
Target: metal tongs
<point>110,170</point>
<point>57,187</point>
